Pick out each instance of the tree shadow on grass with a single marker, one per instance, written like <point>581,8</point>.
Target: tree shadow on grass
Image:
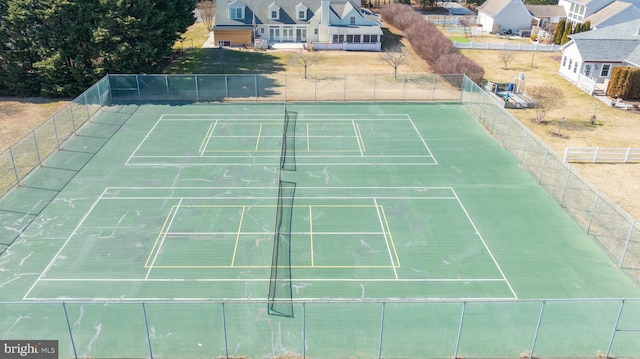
<point>390,40</point>
<point>225,61</point>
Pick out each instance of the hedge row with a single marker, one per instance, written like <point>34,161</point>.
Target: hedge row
<point>430,43</point>
<point>624,83</point>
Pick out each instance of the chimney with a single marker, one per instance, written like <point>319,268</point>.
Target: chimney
<point>324,17</point>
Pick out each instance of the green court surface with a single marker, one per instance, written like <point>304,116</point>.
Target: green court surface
<point>395,205</point>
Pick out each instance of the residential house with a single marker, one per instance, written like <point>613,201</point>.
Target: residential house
<point>504,16</point>
<point>545,20</point>
<point>615,13</point>
<point>589,56</point>
<point>578,10</point>
<point>328,24</point>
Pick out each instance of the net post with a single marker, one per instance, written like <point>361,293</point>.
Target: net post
<point>535,335</point>
<point>615,328</point>
<point>464,306</point>
<point>224,332</point>
<point>73,343</point>
<point>146,325</point>
<point>381,332</point>
<point>166,83</point>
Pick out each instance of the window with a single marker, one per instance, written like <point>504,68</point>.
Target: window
<point>274,12</point>
<point>338,39</point>
<point>352,20</point>
<point>315,31</point>
<point>587,70</point>
<point>356,38</point>
<point>301,12</point>
<point>366,38</point>
<point>570,62</point>
<point>573,7</point>
<point>564,61</point>
<point>349,38</point>
<point>605,70</point>
<point>236,13</point>
<point>575,67</point>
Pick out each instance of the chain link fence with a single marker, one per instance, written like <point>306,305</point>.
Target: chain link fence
<point>332,329</point>
<point>613,228</point>
<point>359,328</point>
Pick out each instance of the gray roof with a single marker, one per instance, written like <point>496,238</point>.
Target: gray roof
<point>493,7</point>
<point>608,11</point>
<point>287,11</point>
<point>546,10</point>
<point>613,43</point>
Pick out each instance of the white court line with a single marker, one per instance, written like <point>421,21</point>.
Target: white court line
<point>386,240</point>
<point>55,257</point>
<point>162,241</point>
<point>432,280</point>
<point>485,246</point>
<point>133,154</point>
<point>206,144</point>
<point>423,141</point>
<point>262,300</point>
<point>355,130</point>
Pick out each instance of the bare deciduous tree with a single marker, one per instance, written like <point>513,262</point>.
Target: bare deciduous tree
<point>305,59</point>
<point>506,56</point>
<point>545,98</point>
<point>394,56</point>
<point>206,12</point>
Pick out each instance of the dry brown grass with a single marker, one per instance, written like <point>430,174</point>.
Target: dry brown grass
<point>18,116</point>
<point>614,127</point>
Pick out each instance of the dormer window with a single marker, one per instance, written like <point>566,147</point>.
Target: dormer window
<point>301,12</point>
<point>352,20</point>
<point>274,12</point>
<point>236,11</point>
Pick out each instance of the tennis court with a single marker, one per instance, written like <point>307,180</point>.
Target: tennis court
<point>391,205</point>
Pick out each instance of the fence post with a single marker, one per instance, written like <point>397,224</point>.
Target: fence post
<point>626,155</point>
<point>595,154</point>
<point>86,106</point>
<point>166,83</point>
<point>146,325</point>
<point>615,328</point>
<point>493,122</point>
<point>285,87</point>
<point>304,330</point>
<point>381,332</point>
<point>35,142</point>
<point>344,89</point>
<point>481,108</point>
<point>433,88</point>
<point>626,245</point>
<point>593,211</point>
<point>535,335</point>
<point>315,89</point>
<point>15,168</point>
<point>544,162</point>
<point>404,81</point>
<point>524,147</point>
<point>464,306</point>
<point>73,344</point>
<point>197,88</point>
<point>506,138</point>
<point>73,121</point>
<point>566,185</point>
<point>255,81</point>
<point>138,88</point>
<point>374,87</point>
<point>226,87</point>
<point>224,332</point>
<point>55,131</point>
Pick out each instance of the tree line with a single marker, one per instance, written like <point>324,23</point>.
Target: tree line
<point>429,43</point>
<point>58,48</point>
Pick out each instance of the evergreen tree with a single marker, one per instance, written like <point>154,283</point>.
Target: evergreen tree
<point>559,32</point>
<point>567,31</point>
<point>60,47</point>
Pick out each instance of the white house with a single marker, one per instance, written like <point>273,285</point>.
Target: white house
<point>498,16</point>
<point>615,13</point>
<point>328,24</point>
<point>590,55</point>
<point>578,10</point>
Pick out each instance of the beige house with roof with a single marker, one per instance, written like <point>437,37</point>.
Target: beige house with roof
<point>504,16</point>
<point>615,13</point>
